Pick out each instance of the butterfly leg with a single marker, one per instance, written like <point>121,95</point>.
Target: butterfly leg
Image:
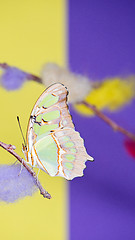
<point>21,168</point>
<point>38,174</point>
<point>14,163</point>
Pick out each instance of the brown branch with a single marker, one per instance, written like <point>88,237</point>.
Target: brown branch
<point>111,123</point>
<point>34,78</point>
<point>97,112</point>
<point>29,75</point>
<point>10,148</point>
<point>4,65</point>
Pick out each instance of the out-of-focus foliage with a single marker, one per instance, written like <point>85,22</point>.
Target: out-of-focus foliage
<point>12,78</point>
<point>78,85</point>
<point>13,185</point>
<point>130,147</point>
<point>112,94</point>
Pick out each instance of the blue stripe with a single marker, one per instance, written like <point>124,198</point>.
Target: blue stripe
<point>101,44</point>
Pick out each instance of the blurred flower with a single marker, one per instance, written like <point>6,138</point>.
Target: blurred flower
<point>79,86</point>
<point>111,94</point>
<point>12,186</point>
<point>130,147</point>
<point>12,78</point>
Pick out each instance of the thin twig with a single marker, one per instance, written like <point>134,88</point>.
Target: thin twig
<point>29,75</point>
<point>111,123</point>
<point>97,112</point>
<point>4,65</point>
<point>10,148</point>
<point>34,78</point>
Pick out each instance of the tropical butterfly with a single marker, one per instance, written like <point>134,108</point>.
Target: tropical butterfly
<point>53,145</point>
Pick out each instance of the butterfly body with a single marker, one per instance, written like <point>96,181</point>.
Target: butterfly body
<point>52,143</point>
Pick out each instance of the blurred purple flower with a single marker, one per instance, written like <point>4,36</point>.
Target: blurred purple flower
<point>13,78</point>
<point>14,187</point>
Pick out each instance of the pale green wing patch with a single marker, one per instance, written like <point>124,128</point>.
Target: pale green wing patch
<point>47,152</point>
<point>44,123</point>
<point>75,155</point>
<point>45,130</point>
<point>48,101</point>
<point>68,165</point>
<point>49,116</point>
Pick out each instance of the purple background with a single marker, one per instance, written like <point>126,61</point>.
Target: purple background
<point>102,44</point>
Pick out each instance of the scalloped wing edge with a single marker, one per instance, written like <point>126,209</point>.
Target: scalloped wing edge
<point>81,155</point>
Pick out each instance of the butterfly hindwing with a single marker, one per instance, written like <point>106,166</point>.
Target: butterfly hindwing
<point>74,155</point>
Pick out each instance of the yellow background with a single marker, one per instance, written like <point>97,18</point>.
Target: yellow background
<point>31,34</point>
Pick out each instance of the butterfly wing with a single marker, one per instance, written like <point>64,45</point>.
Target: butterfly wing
<point>52,143</point>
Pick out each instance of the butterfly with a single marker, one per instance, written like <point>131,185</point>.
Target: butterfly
<point>53,145</point>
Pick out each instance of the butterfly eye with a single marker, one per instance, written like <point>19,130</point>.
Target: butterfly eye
<point>33,117</point>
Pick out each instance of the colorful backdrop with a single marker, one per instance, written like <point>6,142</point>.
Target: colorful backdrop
<point>95,38</point>
<point>32,33</point>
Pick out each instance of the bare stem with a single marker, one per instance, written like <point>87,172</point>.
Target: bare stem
<point>10,149</point>
<point>4,65</point>
<point>29,75</point>
<point>97,112</point>
<point>34,78</point>
<point>111,123</point>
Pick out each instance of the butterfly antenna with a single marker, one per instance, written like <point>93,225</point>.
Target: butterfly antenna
<point>18,120</point>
